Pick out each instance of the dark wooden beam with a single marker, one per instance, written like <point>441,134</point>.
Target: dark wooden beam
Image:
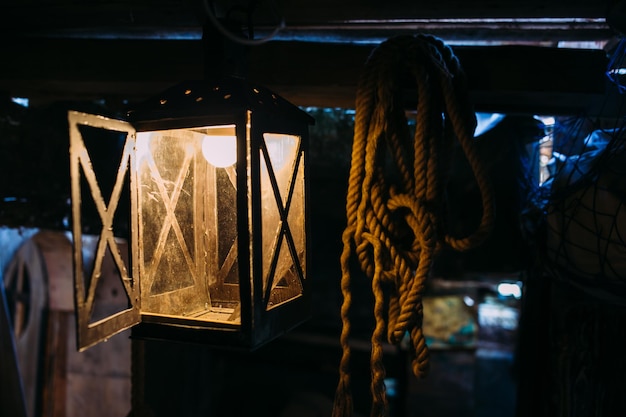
<point>548,21</point>
<point>308,74</point>
<point>22,16</point>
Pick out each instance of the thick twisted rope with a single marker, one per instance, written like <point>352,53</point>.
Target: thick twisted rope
<point>395,197</point>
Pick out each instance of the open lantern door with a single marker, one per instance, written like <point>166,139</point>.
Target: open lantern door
<point>204,216</point>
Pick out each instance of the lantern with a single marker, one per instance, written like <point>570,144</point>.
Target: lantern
<point>204,217</point>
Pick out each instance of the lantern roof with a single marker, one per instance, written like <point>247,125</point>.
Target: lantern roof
<point>220,97</point>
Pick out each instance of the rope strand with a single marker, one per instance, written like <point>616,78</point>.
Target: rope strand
<point>396,194</point>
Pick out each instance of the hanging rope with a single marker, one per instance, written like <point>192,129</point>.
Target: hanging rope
<point>395,199</point>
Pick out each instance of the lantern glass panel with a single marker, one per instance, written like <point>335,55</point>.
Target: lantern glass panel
<point>282,199</point>
<point>187,225</point>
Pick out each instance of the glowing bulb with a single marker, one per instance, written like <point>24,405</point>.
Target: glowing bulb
<point>220,150</point>
<point>508,289</point>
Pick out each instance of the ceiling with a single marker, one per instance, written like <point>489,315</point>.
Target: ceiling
<point>519,55</point>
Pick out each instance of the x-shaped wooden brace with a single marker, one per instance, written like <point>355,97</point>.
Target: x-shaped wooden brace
<point>282,230</point>
<point>170,220</point>
<point>106,212</point>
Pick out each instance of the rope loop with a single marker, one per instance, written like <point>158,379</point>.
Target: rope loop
<point>396,194</point>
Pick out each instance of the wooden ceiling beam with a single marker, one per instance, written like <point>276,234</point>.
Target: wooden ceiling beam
<point>308,74</point>
<point>356,20</point>
<point>18,14</point>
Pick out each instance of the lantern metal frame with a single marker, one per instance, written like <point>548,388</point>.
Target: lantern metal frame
<point>254,111</point>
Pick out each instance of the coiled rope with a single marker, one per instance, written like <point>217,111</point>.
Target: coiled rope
<point>395,199</point>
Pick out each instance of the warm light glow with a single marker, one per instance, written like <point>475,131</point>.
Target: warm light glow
<point>281,148</point>
<point>219,145</point>
<point>220,151</point>
<point>214,235</point>
<point>142,145</point>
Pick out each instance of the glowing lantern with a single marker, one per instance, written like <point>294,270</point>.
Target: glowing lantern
<point>210,199</point>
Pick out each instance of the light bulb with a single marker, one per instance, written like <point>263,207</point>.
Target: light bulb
<point>220,150</point>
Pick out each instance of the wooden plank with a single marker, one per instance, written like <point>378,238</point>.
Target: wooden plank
<point>96,382</point>
<point>26,16</point>
<point>25,282</point>
<point>54,392</point>
<point>56,250</point>
<point>99,379</point>
<point>286,63</point>
<point>11,395</point>
<point>308,74</point>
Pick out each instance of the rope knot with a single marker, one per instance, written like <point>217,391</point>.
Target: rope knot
<point>420,216</point>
